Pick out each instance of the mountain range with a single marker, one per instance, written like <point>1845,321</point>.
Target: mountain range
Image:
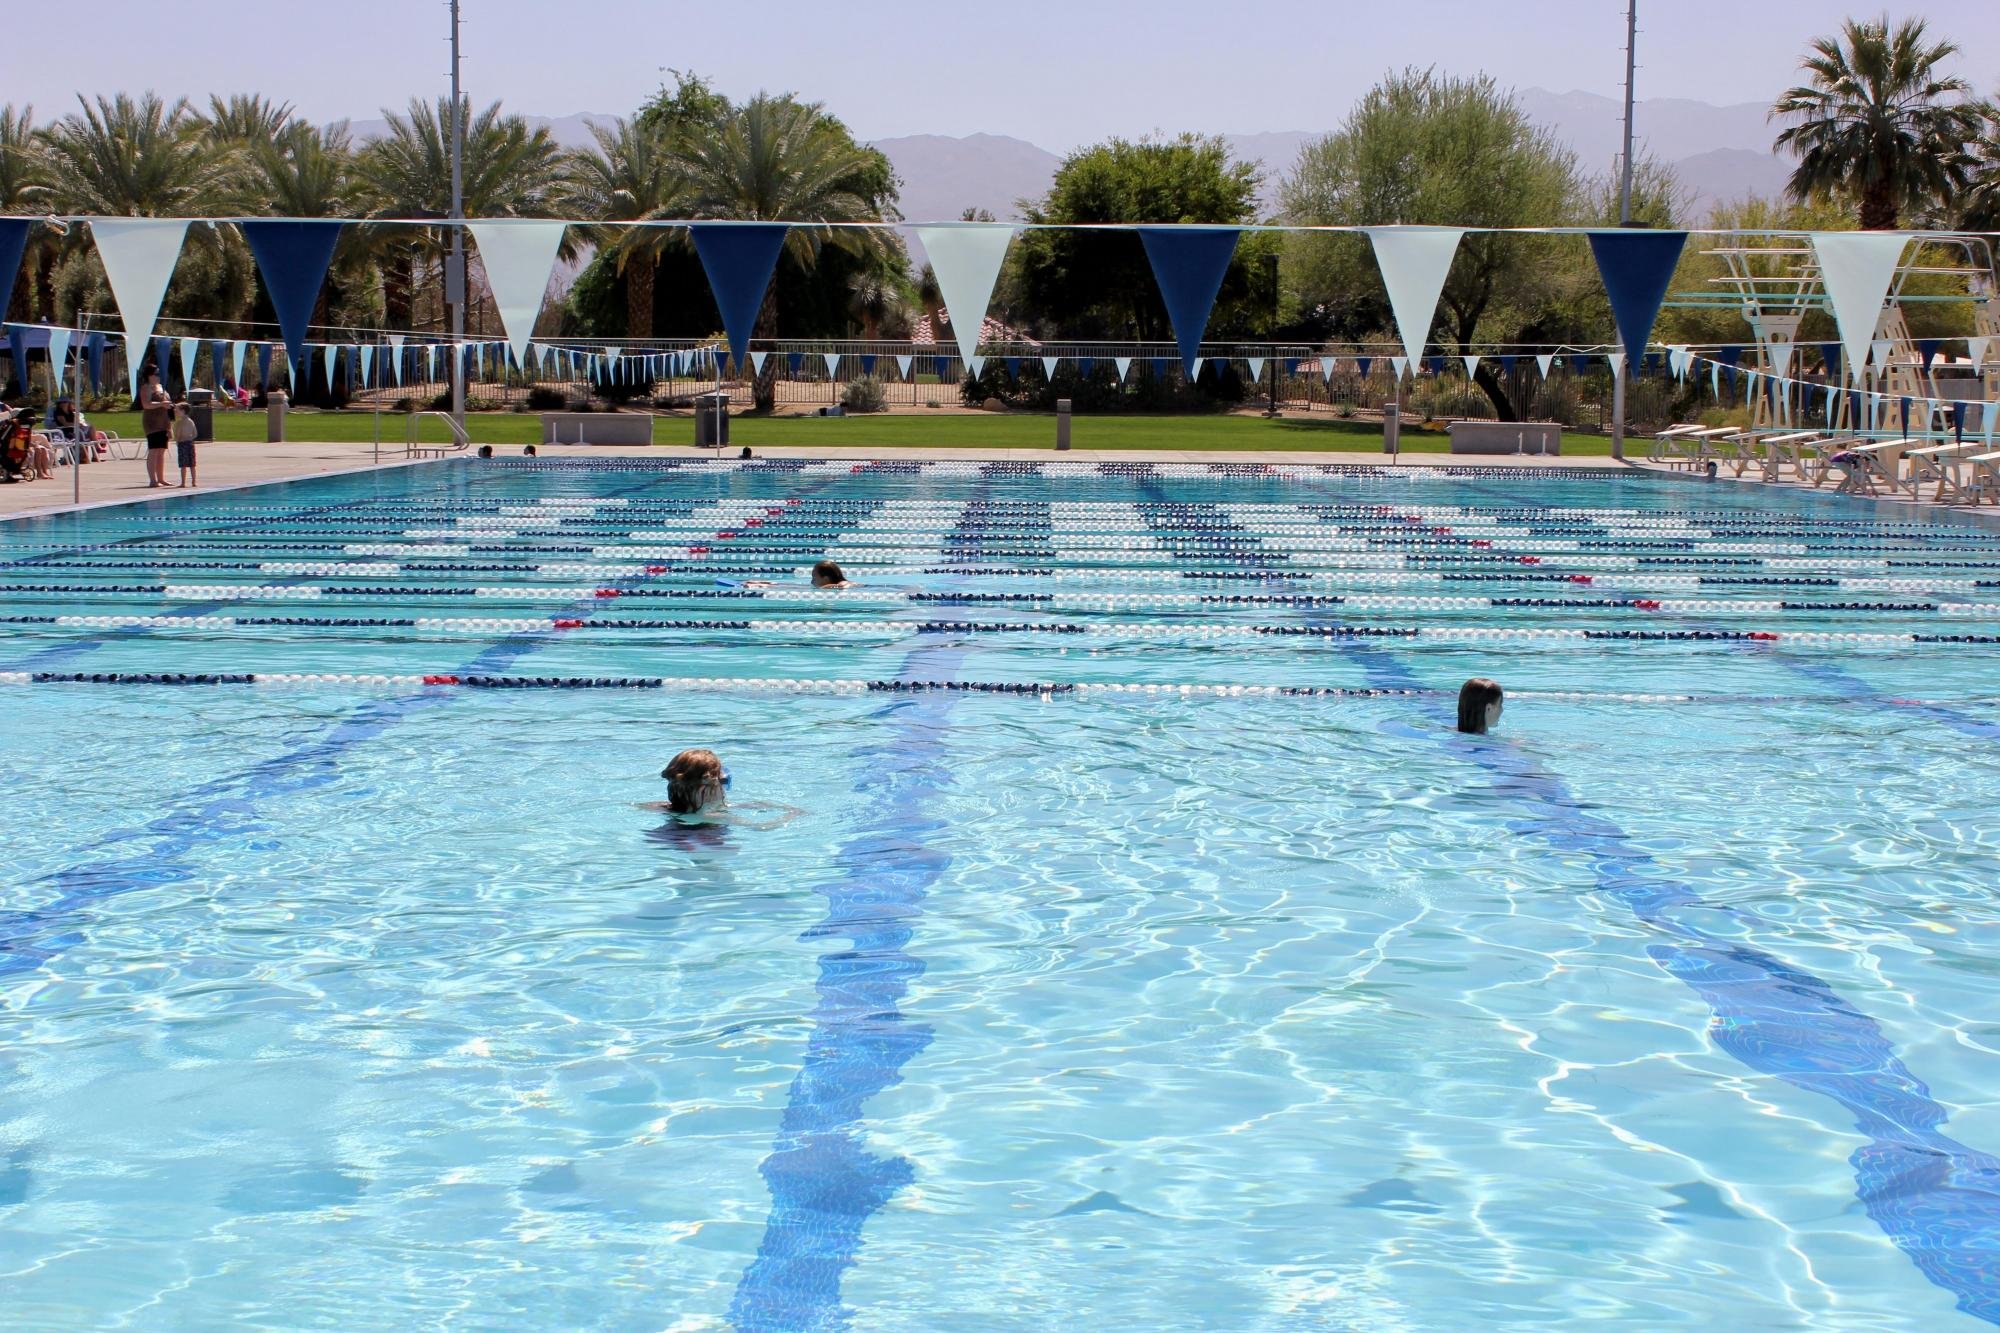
<point>1719,152</point>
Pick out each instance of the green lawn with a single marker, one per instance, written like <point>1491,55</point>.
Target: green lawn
<point>997,431</point>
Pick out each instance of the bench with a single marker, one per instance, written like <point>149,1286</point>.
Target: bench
<point>597,428</point>
<point>1505,437</point>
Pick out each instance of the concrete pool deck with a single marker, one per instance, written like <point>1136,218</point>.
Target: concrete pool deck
<point>226,466</point>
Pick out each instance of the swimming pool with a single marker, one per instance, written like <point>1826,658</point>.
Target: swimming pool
<point>1150,952</point>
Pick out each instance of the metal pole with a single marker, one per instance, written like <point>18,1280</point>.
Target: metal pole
<point>454,279</point>
<point>76,434</point>
<point>1625,220</point>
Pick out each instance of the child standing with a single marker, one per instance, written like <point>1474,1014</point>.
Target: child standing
<point>184,433</point>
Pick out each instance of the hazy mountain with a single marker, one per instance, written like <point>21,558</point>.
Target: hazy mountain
<point>943,176</point>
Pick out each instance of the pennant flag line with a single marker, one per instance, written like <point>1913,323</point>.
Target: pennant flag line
<point>1189,264</point>
<point>1856,268</point>
<point>519,255</point>
<point>966,258</point>
<point>139,255</point>
<point>293,258</point>
<point>1636,268</point>
<point>1414,262</point>
<point>739,258</point>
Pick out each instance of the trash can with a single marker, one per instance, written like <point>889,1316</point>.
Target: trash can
<point>711,421</point>
<point>201,406</point>
<point>274,416</point>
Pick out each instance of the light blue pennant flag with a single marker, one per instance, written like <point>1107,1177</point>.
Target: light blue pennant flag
<point>903,364</point>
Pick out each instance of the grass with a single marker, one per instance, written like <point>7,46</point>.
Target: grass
<point>968,431</point>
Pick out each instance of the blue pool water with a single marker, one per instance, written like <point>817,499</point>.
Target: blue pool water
<point>336,999</point>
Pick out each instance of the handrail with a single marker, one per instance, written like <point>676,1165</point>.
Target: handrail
<point>412,449</point>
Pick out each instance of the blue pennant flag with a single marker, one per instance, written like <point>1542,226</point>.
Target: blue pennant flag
<point>739,258</point>
<point>163,361</point>
<point>1013,367</point>
<point>13,240</point>
<point>1435,365</point>
<point>1291,366</point>
<point>93,355</point>
<point>17,351</point>
<point>867,363</point>
<point>218,357</point>
<point>293,258</point>
<point>1636,267</point>
<point>1363,362</point>
<point>1906,415</point>
<point>1829,355</point>
<point>1159,364</point>
<point>1928,349</point>
<point>1189,264</point>
<point>1507,364</point>
<point>795,360</point>
<point>944,369</point>
<point>264,364</point>
<point>1083,366</point>
<point>1730,356</point>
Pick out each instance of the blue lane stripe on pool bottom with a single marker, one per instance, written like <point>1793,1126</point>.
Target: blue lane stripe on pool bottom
<point>1937,1199</point>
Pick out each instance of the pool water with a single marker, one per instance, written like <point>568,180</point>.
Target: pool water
<point>1149,952</point>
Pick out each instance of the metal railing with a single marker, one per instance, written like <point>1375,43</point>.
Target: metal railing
<point>413,448</point>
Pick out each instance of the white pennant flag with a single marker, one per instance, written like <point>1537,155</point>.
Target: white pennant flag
<point>1401,365</point>
<point>1195,374</point>
<point>1546,361</point>
<point>1857,268</point>
<point>903,364</point>
<point>1124,364</point>
<point>832,360</point>
<point>1256,368</point>
<point>966,259</point>
<point>368,363</point>
<point>1471,365</point>
<point>1878,352</point>
<point>519,256</point>
<point>1780,353</point>
<point>328,355</point>
<point>58,353</point>
<point>189,346</point>
<point>396,356</point>
<point>431,353</point>
<point>1617,360</point>
<point>236,353</point>
<point>1715,378</point>
<point>138,256</point>
<point>1414,262</point>
<point>1049,364</point>
<point>1327,365</point>
<point>757,360</point>
<point>1976,349</point>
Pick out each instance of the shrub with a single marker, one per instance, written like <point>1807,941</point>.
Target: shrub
<point>864,395</point>
<point>541,398</point>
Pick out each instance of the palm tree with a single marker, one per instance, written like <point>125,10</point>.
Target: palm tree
<point>776,159</point>
<point>631,176</point>
<point>306,172</point>
<point>507,170</point>
<point>118,157</point>
<point>23,189</point>
<point>248,120</point>
<point>1879,122</point>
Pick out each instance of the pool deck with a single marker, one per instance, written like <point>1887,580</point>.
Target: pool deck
<point>229,466</point>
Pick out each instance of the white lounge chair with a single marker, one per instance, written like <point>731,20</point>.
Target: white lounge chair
<point>1940,463</point>
<point>1864,465</point>
<point>1658,452</point>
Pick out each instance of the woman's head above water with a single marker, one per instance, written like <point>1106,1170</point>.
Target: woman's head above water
<point>1479,704</point>
<point>695,781</point>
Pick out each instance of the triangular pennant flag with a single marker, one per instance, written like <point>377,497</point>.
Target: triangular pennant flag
<point>1856,268</point>
<point>396,341</point>
<point>1401,365</point>
<point>1715,378</point>
<point>519,255</point>
<point>1327,365</point>
<point>1414,262</point>
<point>1362,363</point>
<point>867,363</point>
<point>903,364</point>
<point>1636,267</point>
<point>330,357</point>
<point>1084,365</point>
<point>1616,360</point>
<point>943,368</point>
<point>189,347</point>
<point>1256,364</point>
<point>1546,361</point>
<point>1976,349</point>
<point>1014,367</point>
<point>1435,365</point>
<point>139,261</point>
<point>757,360</point>
<point>738,258</point>
<point>368,365</point>
<point>1159,365</point>
<point>1194,371</point>
<point>795,360</point>
<point>1471,364</point>
<point>1049,364</point>
<point>431,354</point>
<point>1927,348</point>
<point>1878,352</point>
<point>1189,264</point>
<point>293,259</point>
<point>264,365</point>
<point>139,255</point>
<point>1829,355</point>
<point>13,240</point>
<point>58,355</point>
<point>832,360</point>
<point>1124,364</point>
<point>966,258</point>
<point>1780,353</point>
<point>1290,365</point>
<point>217,349</point>
<point>93,355</point>
<point>1507,364</point>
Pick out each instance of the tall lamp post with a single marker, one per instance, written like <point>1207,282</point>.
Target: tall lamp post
<point>1625,220</point>
<point>454,274</point>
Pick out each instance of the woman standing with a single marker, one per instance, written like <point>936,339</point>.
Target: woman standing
<point>155,418</point>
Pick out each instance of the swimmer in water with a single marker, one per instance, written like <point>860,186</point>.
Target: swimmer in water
<point>827,574</point>
<point>1479,706</point>
<point>698,791</point>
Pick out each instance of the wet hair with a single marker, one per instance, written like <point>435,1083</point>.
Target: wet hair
<point>686,774</point>
<point>745,453</point>
<point>529,451</point>
<point>1474,698</point>
<point>826,573</point>
<point>486,451</point>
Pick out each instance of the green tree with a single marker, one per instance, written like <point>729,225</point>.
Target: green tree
<point>1422,147</point>
<point>144,157</point>
<point>507,170</point>
<point>1879,123</point>
<point>1098,284</point>
<point>776,158</point>
<point>632,175</point>
<point>24,191</point>
<point>246,120</point>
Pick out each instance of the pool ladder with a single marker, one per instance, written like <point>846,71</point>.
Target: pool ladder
<point>413,448</point>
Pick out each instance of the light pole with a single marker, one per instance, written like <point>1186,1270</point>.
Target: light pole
<point>454,276</point>
<point>1625,220</point>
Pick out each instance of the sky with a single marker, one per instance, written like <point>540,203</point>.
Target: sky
<point>1059,73</point>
